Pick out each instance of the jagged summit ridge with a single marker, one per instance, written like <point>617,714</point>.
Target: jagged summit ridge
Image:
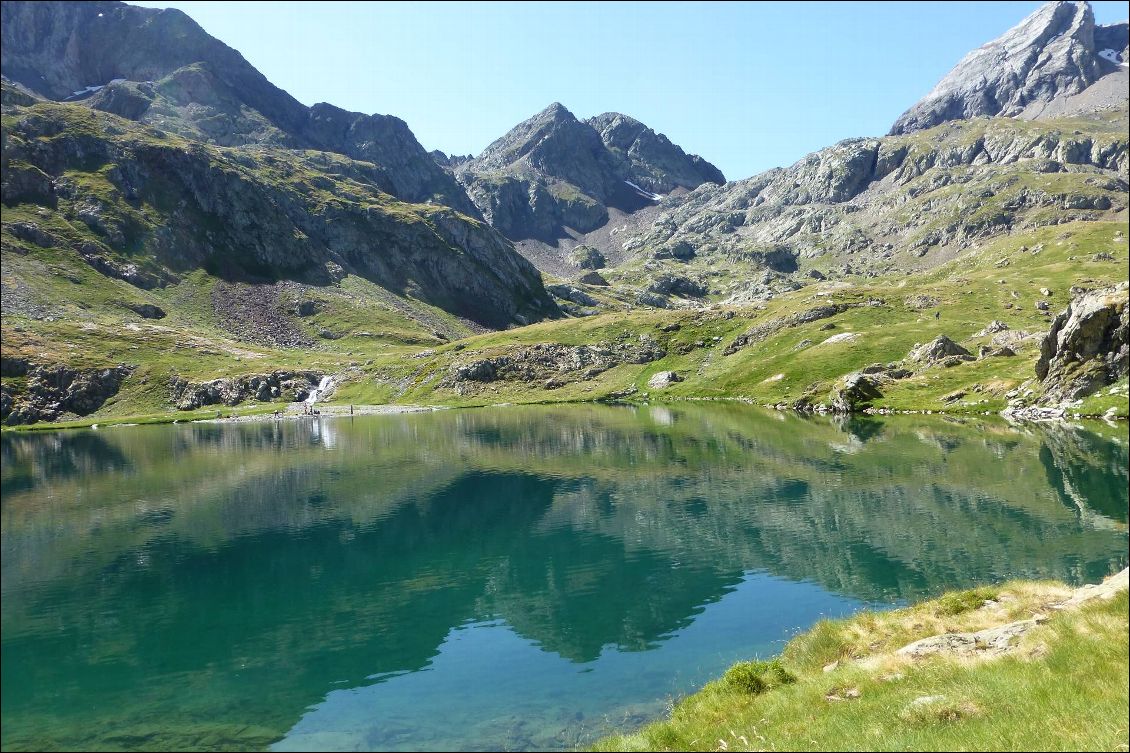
<point>159,67</point>
<point>1050,54</point>
<point>554,171</point>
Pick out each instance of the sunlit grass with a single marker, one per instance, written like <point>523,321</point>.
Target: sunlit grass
<point>1064,688</point>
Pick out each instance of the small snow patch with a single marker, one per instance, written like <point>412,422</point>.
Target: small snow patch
<point>84,92</point>
<point>643,193</point>
<point>1112,56</point>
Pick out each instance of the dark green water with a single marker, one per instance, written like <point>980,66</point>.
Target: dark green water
<point>493,579</point>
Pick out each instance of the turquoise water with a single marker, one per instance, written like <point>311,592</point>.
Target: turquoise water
<point>507,578</point>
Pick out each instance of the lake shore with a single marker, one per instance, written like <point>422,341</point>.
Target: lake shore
<point>993,668</point>
<point>291,411</point>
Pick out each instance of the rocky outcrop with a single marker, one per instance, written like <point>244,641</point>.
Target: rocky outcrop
<point>662,379</point>
<point>1088,346</point>
<point>278,385</point>
<point>55,391</point>
<point>587,257</point>
<point>874,206</point>
<point>1051,54</point>
<point>1003,639</point>
<point>146,310</point>
<point>761,331</point>
<point>259,215</point>
<point>939,351</point>
<point>554,364</point>
<point>854,392</point>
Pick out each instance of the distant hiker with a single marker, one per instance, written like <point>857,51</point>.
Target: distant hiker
<point>351,410</point>
<point>937,314</point>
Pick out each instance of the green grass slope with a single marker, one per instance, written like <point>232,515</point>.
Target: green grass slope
<point>1000,280</point>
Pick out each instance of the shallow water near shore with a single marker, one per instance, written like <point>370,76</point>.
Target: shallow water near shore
<point>500,578</point>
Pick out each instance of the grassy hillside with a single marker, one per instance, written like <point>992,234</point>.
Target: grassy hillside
<point>1001,280</point>
<point>376,362</point>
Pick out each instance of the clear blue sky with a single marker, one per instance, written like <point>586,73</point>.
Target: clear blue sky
<point>748,86</point>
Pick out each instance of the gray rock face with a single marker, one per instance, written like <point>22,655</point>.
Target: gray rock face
<point>52,391</point>
<point>553,171</point>
<point>649,159</point>
<point>853,393</point>
<point>266,218</point>
<point>1053,53</point>
<point>875,206</point>
<point>554,364</point>
<point>1088,346</point>
<point>662,379</point>
<point>940,350</point>
<point>278,385</point>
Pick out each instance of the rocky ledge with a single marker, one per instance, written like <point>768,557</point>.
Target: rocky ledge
<point>1087,347</point>
<point>555,365</point>
<point>286,385</point>
<point>54,392</point>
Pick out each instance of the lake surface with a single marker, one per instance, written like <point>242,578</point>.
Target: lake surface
<point>505,578</point>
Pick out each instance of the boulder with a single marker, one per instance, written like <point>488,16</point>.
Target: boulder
<point>992,328</point>
<point>940,350</point>
<point>587,257</point>
<point>669,284</point>
<point>986,351</point>
<point>570,293</point>
<point>853,393</point>
<point>146,310</point>
<point>1087,346</point>
<point>663,379</point>
<point>920,302</point>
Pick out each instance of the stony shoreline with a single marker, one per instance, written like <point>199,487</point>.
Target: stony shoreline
<point>329,411</point>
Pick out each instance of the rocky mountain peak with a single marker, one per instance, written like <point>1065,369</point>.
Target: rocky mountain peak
<point>1049,55</point>
<point>553,171</point>
<point>160,67</point>
<point>555,111</point>
<point>549,134</point>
